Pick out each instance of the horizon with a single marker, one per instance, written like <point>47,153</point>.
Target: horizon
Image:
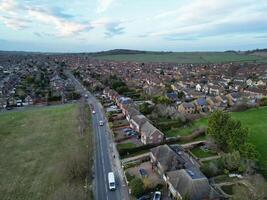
<point>181,26</point>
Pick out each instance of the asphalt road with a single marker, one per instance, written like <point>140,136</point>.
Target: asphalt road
<point>104,161</point>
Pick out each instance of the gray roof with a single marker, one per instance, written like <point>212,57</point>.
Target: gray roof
<point>186,184</point>
<point>167,158</point>
<point>148,129</point>
<point>140,119</point>
<point>133,111</point>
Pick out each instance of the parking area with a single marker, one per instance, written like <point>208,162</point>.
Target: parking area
<point>144,170</point>
<point>126,135</point>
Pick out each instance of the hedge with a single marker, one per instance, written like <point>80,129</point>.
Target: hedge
<point>196,133</point>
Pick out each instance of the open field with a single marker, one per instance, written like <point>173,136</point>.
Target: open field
<point>42,154</point>
<point>184,57</point>
<point>254,119</point>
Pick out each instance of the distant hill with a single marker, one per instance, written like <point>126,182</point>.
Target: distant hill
<point>118,51</point>
<point>258,52</point>
<point>177,57</point>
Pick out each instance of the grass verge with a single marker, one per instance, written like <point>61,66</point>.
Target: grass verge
<point>43,155</point>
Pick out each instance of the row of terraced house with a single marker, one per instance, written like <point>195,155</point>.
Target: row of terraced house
<point>138,122</point>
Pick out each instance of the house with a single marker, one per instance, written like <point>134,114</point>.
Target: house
<point>172,96</point>
<point>214,90</point>
<point>221,102</point>
<point>187,108</point>
<point>232,98</point>
<point>137,121</point>
<point>131,112</point>
<point>211,103</point>
<point>249,82</point>
<point>198,87</point>
<point>201,104</point>
<point>124,103</point>
<point>28,100</point>
<point>3,103</point>
<point>191,183</point>
<point>181,173</point>
<point>150,134</point>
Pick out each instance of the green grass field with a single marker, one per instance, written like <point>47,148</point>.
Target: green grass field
<point>183,57</point>
<point>254,119</point>
<point>38,150</point>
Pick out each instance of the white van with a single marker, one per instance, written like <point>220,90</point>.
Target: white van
<point>111,181</point>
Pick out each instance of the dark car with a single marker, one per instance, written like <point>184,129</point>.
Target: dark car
<point>143,172</point>
<point>126,130</point>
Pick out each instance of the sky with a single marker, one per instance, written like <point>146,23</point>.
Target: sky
<point>157,25</point>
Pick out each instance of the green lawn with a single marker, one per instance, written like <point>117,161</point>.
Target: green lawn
<point>201,153</point>
<point>254,119</point>
<point>183,57</point>
<point>38,150</point>
<point>126,145</point>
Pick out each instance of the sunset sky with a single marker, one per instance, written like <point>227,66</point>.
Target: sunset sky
<point>169,25</point>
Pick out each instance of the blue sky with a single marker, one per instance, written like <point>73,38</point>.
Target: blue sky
<point>169,25</point>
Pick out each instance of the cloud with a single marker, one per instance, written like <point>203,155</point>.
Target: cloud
<point>199,19</point>
<point>103,5</point>
<point>10,15</point>
<point>64,27</point>
<point>111,27</point>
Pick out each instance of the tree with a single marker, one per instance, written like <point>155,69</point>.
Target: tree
<point>249,151</point>
<point>161,100</point>
<point>231,161</point>
<point>230,136</point>
<point>228,133</point>
<point>216,129</point>
<point>137,187</point>
<point>145,108</point>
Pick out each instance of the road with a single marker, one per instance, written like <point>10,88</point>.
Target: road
<point>104,151</point>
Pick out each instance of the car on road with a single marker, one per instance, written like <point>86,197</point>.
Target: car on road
<point>111,181</point>
<point>143,172</point>
<point>101,123</point>
<point>93,111</point>
<point>157,195</point>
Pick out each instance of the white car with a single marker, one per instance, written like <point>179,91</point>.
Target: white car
<point>101,123</point>
<point>157,195</point>
<point>93,112</point>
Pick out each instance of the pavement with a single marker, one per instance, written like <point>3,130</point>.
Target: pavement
<point>105,150</point>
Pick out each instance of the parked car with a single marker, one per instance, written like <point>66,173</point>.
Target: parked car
<point>157,195</point>
<point>126,130</point>
<point>131,133</point>
<point>93,112</point>
<point>143,172</point>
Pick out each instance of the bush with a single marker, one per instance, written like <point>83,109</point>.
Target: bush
<point>263,101</point>
<point>212,168</point>
<point>129,177</point>
<point>137,187</point>
<point>241,107</point>
<point>76,165</point>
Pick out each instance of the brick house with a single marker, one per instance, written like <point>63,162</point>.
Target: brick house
<point>150,134</point>
<point>187,108</point>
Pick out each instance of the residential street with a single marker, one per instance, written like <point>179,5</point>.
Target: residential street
<point>104,152</point>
